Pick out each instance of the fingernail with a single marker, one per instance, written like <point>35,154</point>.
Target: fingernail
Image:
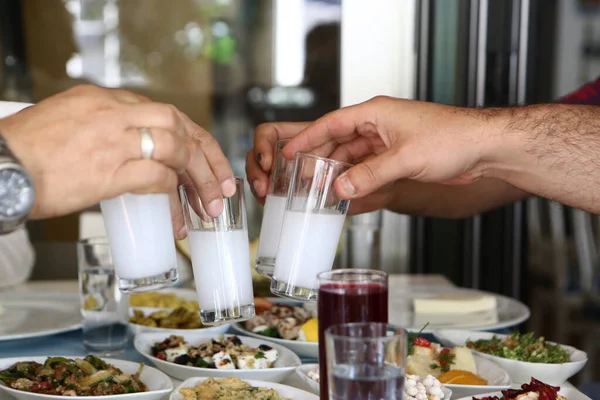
<point>347,186</point>
<point>256,186</point>
<point>182,233</point>
<point>215,207</point>
<point>228,187</point>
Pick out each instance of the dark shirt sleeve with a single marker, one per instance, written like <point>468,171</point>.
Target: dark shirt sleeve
<point>587,94</point>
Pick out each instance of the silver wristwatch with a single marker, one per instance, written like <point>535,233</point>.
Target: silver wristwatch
<point>17,194</point>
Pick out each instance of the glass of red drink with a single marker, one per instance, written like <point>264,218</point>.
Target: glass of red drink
<point>365,361</point>
<point>345,296</point>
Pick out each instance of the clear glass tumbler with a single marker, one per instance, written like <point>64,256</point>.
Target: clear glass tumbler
<point>220,257</point>
<point>362,241</point>
<point>103,306</point>
<point>275,202</point>
<point>349,296</point>
<point>312,224</point>
<point>140,233</point>
<point>366,361</point>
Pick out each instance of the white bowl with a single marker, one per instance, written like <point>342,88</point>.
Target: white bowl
<point>497,379</point>
<point>519,371</point>
<point>137,328</point>
<point>303,349</point>
<point>304,369</point>
<point>283,390</point>
<point>159,384</point>
<point>569,393</point>
<point>285,365</point>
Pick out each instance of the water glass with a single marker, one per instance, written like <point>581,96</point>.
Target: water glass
<point>349,296</point>
<point>312,225</point>
<point>220,256</point>
<point>140,233</point>
<point>103,306</point>
<point>366,361</point>
<point>362,241</point>
<point>275,203</point>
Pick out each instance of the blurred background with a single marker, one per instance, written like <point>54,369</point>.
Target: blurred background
<point>233,64</point>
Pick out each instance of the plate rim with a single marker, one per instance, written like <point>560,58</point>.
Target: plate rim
<point>59,299</point>
<point>525,315</point>
<point>237,326</point>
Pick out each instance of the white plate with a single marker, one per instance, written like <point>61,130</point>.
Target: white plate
<point>158,383</point>
<point>497,379</point>
<point>27,314</point>
<point>303,349</point>
<point>519,371</point>
<point>304,369</point>
<point>569,393</point>
<point>136,328</point>
<point>282,390</point>
<point>510,312</point>
<point>283,366</point>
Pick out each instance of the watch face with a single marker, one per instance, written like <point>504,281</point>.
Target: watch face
<point>16,193</point>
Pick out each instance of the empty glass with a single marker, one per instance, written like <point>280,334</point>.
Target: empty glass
<point>274,209</point>
<point>362,241</point>
<point>220,257</point>
<point>312,224</point>
<point>140,233</point>
<point>103,307</point>
<point>365,361</point>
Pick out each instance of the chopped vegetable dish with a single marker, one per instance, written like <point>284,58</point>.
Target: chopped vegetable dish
<point>180,318</point>
<point>66,377</point>
<point>522,347</point>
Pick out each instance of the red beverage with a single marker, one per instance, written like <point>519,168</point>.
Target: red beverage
<point>349,300</point>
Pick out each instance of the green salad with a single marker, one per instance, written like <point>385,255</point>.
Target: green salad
<point>522,347</point>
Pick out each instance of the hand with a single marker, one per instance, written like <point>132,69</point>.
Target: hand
<point>391,139</point>
<point>83,145</point>
<point>259,161</point>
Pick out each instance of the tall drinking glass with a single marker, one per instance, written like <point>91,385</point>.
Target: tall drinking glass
<point>220,257</point>
<point>140,234</point>
<point>274,209</point>
<point>103,307</point>
<point>365,361</point>
<point>345,296</point>
<point>362,245</point>
<point>312,225</point>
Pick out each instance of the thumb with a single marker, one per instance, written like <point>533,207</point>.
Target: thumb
<point>370,175</point>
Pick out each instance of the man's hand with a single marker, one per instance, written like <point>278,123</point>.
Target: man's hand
<point>259,161</point>
<point>83,145</point>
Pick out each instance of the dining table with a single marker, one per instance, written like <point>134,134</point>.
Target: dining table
<point>71,344</point>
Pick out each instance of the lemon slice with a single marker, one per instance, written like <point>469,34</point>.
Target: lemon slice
<point>310,331</point>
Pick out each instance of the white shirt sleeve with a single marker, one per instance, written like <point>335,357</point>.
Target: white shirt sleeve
<point>17,257</point>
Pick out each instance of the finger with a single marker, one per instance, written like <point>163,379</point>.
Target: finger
<point>177,217</point>
<point>266,137</point>
<point>156,115</point>
<point>206,183</point>
<point>353,151</point>
<point>143,176</point>
<point>338,126</point>
<point>202,141</point>
<point>169,148</point>
<point>372,174</point>
<point>258,180</point>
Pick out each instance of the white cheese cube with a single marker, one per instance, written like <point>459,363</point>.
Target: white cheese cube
<point>260,328</point>
<point>249,361</point>
<point>175,352</point>
<point>223,360</point>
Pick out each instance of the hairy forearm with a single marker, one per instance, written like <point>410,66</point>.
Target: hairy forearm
<point>452,201</point>
<point>549,150</point>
